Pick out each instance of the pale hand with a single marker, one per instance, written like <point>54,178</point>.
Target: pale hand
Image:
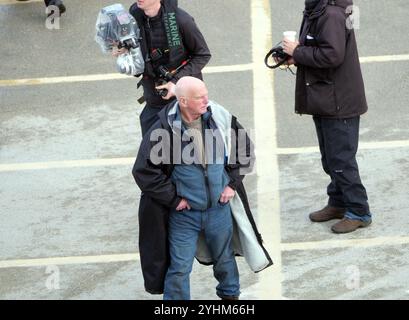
<point>290,61</point>
<point>289,46</point>
<point>227,194</point>
<point>170,86</point>
<point>183,205</point>
<point>117,52</point>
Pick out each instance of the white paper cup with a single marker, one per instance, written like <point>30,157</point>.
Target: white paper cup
<point>290,35</point>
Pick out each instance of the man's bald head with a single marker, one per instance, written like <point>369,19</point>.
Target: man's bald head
<point>192,96</point>
<point>188,87</point>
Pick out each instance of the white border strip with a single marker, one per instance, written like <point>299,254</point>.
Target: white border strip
<point>66,164</point>
<point>110,76</point>
<point>9,2</point>
<point>390,58</point>
<point>362,146</point>
<point>69,260</point>
<point>134,257</point>
<point>207,70</point>
<point>269,285</point>
<point>353,243</point>
<point>9,167</point>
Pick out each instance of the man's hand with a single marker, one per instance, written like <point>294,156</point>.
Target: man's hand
<point>117,52</point>
<point>289,46</point>
<point>183,205</point>
<point>170,86</point>
<point>290,61</point>
<point>227,194</point>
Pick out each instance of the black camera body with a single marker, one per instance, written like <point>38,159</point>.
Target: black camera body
<point>278,53</point>
<point>161,92</point>
<point>128,44</point>
<point>163,73</point>
<point>164,77</point>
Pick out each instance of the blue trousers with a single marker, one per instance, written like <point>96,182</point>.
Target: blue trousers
<point>184,230</point>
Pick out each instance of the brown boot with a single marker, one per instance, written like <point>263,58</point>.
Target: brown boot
<point>229,298</point>
<point>349,225</point>
<point>327,213</point>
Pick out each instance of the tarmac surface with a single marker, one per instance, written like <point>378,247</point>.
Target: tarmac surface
<point>68,202</point>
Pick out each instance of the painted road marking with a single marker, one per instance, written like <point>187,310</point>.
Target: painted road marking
<point>10,167</point>
<point>269,285</point>
<point>69,260</point>
<point>110,76</point>
<point>389,58</point>
<point>207,70</point>
<point>8,2</point>
<point>348,243</point>
<point>362,146</point>
<point>134,257</point>
<point>66,164</point>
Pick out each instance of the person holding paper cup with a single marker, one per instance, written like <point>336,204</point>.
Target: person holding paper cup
<point>329,86</point>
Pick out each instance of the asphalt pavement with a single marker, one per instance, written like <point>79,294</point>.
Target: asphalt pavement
<point>68,202</point>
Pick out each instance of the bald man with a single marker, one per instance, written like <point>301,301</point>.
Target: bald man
<point>190,168</point>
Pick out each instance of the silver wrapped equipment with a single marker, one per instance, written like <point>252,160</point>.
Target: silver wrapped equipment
<point>116,27</point>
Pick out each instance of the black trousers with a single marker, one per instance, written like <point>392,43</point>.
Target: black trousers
<point>338,141</point>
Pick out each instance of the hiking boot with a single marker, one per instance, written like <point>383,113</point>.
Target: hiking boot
<point>327,213</point>
<point>232,298</point>
<point>349,225</point>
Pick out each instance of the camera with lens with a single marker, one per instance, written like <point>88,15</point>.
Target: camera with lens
<point>116,27</point>
<point>159,57</point>
<point>164,77</point>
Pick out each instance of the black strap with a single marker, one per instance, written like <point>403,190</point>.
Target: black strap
<point>271,53</point>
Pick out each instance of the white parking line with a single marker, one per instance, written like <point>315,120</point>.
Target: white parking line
<point>134,257</point>
<point>110,76</point>
<point>207,70</point>
<point>10,167</point>
<point>353,243</point>
<point>362,146</point>
<point>390,58</point>
<point>66,164</point>
<point>269,285</point>
<point>69,260</point>
<point>8,2</point>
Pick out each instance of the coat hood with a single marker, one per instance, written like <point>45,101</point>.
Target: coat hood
<point>322,5</point>
<point>343,3</point>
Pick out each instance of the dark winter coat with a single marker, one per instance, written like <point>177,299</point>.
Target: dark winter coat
<point>329,80</point>
<point>159,195</point>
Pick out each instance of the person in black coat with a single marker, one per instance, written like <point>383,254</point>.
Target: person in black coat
<point>330,87</point>
<point>170,41</point>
